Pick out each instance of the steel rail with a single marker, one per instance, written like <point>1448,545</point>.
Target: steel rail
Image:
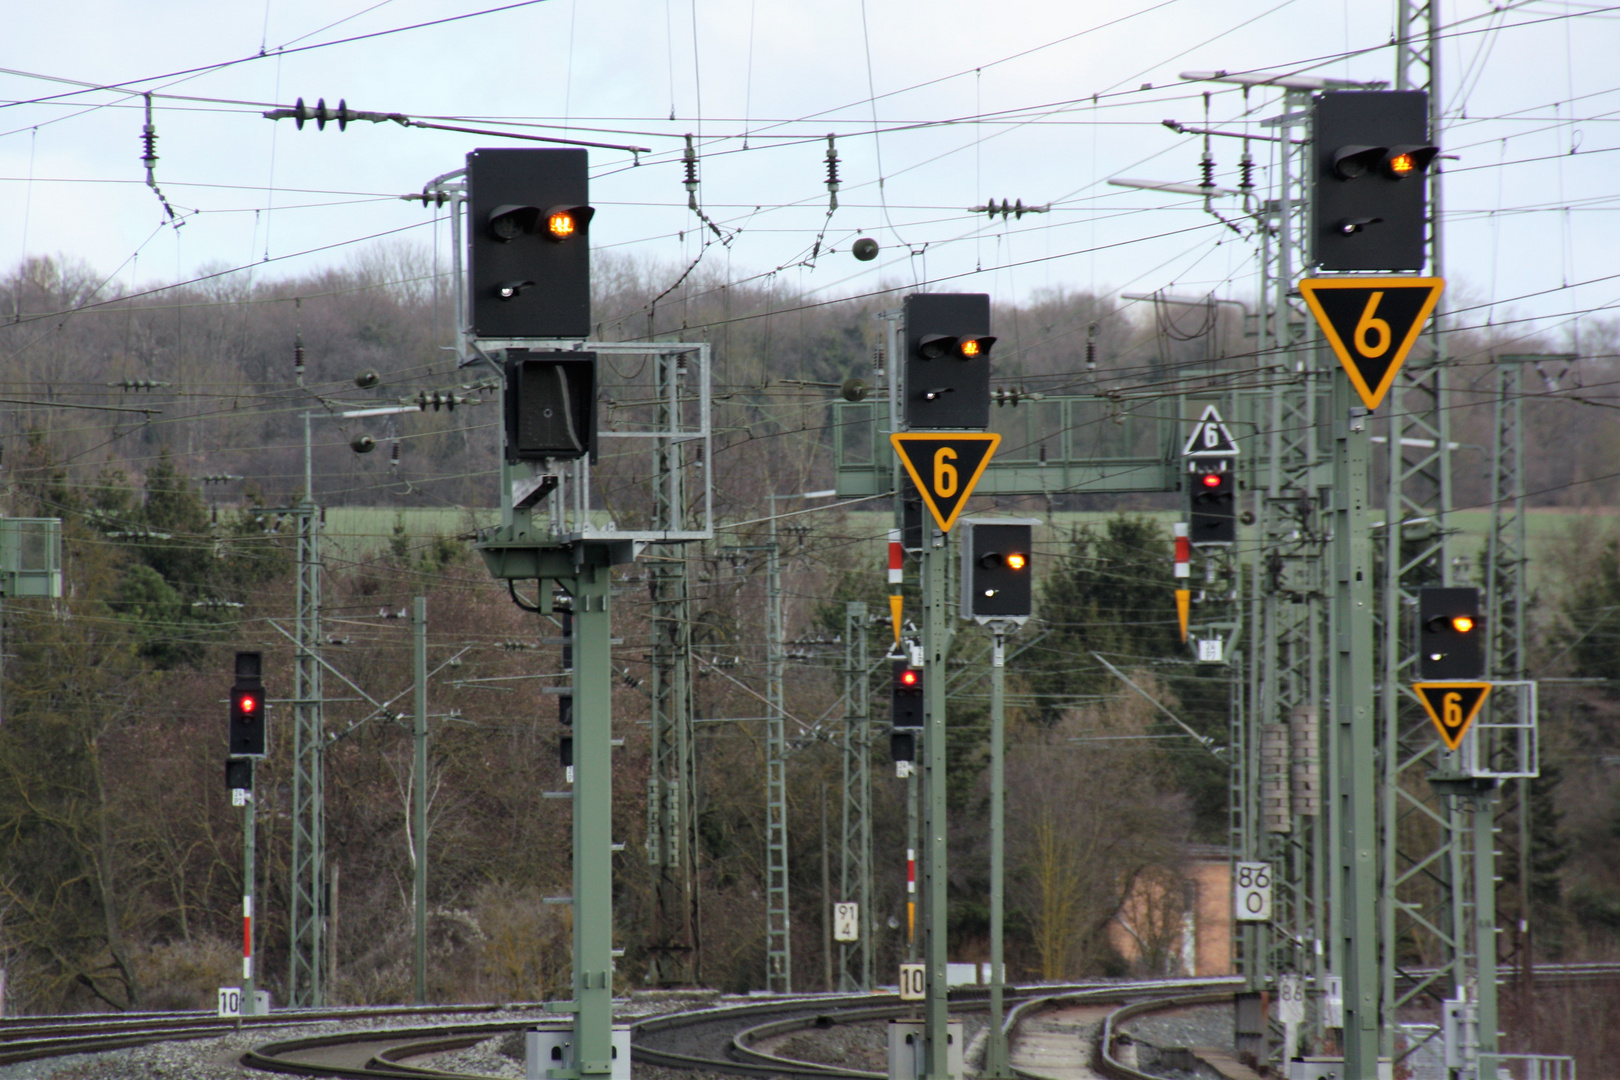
<point>749,1061</point>
<point>742,1058</point>
<point>1111,1066</point>
<point>284,1057</point>
<point>34,1038</point>
<point>730,1048</point>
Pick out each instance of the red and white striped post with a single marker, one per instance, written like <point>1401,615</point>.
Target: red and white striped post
<point>897,564</point>
<point>1183,571</point>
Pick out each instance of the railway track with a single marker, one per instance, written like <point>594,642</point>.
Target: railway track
<point>725,1040</point>
<point>36,1038</point>
<point>369,1054</point>
<point>719,1039</point>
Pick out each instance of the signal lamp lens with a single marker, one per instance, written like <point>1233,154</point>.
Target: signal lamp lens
<point>971,347</point>
<point>560,224</point>
<point>1462,624</point>
<point>1212,480</point>
<point>1016,562</point>
<point>1402,164</point>
<point>908,678</point>
<point>248,703</point>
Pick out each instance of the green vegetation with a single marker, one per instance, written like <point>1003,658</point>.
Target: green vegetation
<point>121,852</point>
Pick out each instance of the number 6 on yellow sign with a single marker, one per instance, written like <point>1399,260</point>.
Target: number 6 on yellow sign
<point>1371,323</point>
<point>945,466</point>
<point>945,477</point>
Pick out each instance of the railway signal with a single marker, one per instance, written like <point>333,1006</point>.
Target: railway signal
<point>528,249</point>
<point>1212,517</point>
<point>997,578</point>
<point>550,405</point>
<point>247,724</point>
<point>1212,495</point>
<point>1368,196</point>
<point>248,741</point>
<point>1451,634</point>
<point>906,696</point>
<point>947,369</point>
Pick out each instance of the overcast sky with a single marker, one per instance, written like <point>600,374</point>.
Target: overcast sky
<point>1531,91</point>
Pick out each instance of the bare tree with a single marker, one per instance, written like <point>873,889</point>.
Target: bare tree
<point>1089,813</point>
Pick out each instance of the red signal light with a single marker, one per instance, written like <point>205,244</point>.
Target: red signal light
<point>908,678</point>
<point>248,703</point>
<point>1212,480</point>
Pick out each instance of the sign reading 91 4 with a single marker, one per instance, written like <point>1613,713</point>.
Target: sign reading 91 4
<point>945,466</point>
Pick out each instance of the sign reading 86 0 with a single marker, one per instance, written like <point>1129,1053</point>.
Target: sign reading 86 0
<point>1252,892</point>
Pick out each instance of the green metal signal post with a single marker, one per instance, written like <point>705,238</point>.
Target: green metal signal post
<point>565,538</point>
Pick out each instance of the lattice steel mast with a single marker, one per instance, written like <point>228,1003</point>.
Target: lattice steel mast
<point>676,960</point>
<point>1438,862</point>
<point>855,875</point>
<point>306,982</point>
<point>1289,580</point>
<point>778,914</point>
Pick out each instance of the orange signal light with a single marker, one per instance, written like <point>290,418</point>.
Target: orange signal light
<point>971,347</point>
<point>1462,623</point>
<point>1402,164</point>
<point>1016,561</point>
<point>560,224</point>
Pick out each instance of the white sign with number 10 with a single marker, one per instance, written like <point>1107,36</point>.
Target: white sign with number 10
<point>230,1001</point>
<point>1252,887</point>
<point>913,982</point>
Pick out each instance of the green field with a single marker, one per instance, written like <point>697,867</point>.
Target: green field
<point>1551,534</point>
<point>355,531</point>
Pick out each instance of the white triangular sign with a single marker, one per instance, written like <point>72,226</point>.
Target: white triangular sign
<point>1209,437</point>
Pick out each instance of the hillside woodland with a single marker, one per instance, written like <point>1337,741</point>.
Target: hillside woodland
<point>120,854</point>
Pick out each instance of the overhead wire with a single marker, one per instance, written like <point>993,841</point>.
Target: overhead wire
<point>282,50</point>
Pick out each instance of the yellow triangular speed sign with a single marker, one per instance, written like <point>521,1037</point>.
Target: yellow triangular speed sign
<point>945,466</point>
<point>1372,323</point>
<point>1452,706</point>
